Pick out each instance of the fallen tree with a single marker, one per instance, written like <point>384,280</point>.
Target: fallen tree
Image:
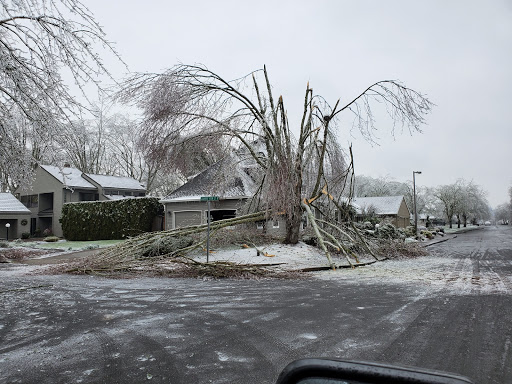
<point>190,102</point>
<point>167,253</point>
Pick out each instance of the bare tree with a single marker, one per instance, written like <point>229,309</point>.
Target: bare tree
<point>192,101</point>
<point>40,41</point>
<point>463,199</point>
<point>503,213</point>
<point>449,195</point>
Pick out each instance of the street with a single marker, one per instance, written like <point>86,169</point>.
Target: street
<point>450,311</point>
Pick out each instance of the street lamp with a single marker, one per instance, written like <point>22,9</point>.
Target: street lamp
<point>7,226</point>
<point>415,211</point>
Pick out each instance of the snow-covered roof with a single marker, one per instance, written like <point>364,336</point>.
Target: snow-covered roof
<point>74,178</point>
<point>117,182</point>
<point>10,204</point>
<point>383,205</point>
<point>225,179</point>
<point>68,176</point>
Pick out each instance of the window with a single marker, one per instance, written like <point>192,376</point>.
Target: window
<point>30,201</point>
<point>85,196</point>
<point>275,223</point>
<point>259,225</point>
<point>24,200</point>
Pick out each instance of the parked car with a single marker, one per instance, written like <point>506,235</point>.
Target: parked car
<point>487,223</point>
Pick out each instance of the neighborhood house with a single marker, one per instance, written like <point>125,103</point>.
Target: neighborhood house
<point>392,208</point>
<point>52,187</point>
<point>14,217</point>
<point>228,180</point>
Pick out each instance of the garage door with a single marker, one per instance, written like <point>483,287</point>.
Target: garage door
<point>186,218</point>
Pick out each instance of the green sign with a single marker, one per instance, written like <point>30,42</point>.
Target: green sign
<point>209,198</point>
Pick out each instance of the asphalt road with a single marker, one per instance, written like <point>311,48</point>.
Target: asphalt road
<point>451,311</point>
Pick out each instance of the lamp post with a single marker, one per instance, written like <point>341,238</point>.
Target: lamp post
<point>415,211</point>
<point>7,226</point>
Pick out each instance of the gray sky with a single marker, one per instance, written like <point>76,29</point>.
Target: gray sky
<point>458,53</point>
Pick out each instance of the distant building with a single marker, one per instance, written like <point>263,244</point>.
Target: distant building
<point>393,208</point>
<point>53,186</point>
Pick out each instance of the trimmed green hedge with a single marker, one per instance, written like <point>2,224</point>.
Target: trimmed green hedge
<point>108,220</point>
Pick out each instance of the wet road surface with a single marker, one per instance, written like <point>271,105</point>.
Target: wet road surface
<point>450,311</point>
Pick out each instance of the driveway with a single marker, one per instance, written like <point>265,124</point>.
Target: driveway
<point>448,311</point>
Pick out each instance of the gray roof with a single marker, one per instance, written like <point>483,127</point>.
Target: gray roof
<point>73,178</point>
<point>226,179</point>
<point>117,182</point>
<point>10,204</point>
<point>384,205</point>
<point>70,177</point>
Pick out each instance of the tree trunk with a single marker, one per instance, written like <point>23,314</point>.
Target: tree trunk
<point>293,221</point>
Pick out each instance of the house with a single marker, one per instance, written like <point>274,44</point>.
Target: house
<point>424,219</point>
<point>228,180</point>
<point>14,217</point>
<point>52,187</point>
<point>393,208</point>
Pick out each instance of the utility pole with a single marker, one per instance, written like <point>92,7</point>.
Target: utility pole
<point>415,210</point>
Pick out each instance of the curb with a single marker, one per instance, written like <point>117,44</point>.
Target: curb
<point>440,241</point>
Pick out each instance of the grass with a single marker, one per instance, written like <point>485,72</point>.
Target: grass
<point>72,245</point>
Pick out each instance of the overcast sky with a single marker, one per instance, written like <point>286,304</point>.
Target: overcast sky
<point>458,53</point>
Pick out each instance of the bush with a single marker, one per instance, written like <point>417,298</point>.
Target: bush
<point>107,220</point>
<point>25,235</point>
<point>409,231</point>
<point>51,239</point>
<point>166,245</point>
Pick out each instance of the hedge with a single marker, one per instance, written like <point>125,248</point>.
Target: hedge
<point>107,220</point>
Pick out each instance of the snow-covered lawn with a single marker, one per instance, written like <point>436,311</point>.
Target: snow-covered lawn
<point>447,228</point>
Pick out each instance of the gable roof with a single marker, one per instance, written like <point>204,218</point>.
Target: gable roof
<point>74,178</point>
<point>384,205</point>
<point>10,204</point>
<point>225,179</point>
<point>117,182</point>
<point>68,176</point>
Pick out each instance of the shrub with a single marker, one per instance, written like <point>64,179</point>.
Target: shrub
<point>409,231</point>
<point>166,245</point>
<point>107,220</point>
<point>51,239</point>
<point>25,235</point>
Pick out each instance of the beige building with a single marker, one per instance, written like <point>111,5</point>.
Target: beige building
<point>393,208</point>
<point>53,187</point>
